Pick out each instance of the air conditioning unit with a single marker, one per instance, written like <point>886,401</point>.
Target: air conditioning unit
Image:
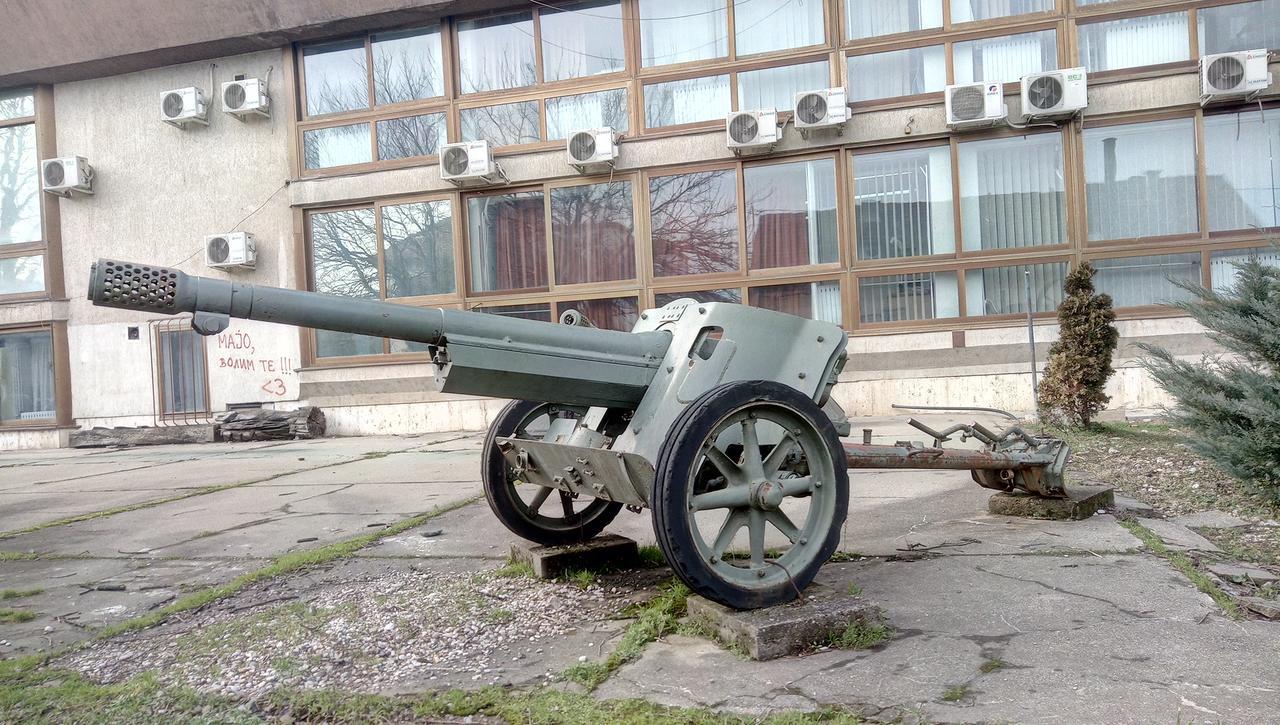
<point>975,105</point>
<point>752,131</point>
<point>183,106</point>
<point>246,97</point>
<point>234,250</point>
<point>469,163</point>
<point>66,176</point>
<point>1238,76</point>
<point>1054,94</point>
<point>592,149</point>
<point>826,108</point>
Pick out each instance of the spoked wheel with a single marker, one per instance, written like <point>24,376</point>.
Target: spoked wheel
<point>750,493</point>
<point>545,515</point>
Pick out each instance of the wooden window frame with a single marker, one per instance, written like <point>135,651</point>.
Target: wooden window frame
<point>160,328</point>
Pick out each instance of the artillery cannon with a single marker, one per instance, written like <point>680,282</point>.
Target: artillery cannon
<point>715,416</point>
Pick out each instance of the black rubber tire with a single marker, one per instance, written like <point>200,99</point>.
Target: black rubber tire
<point>510,509</point>
<point>672,481</point>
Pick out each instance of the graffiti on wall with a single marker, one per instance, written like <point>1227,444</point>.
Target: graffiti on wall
<point>235,353</point>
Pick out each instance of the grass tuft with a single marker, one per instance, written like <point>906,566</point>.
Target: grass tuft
<point>20,593</point>
<point>990,666</point>
<point>955,693</point>
<point>15,616</point>
<point>657,617</point>
<point>515,569</point>
<point>651,557</point>
<point>861,634</point>
<point>1184,564</point>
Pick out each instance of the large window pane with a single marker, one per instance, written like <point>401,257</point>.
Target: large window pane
<point>1012,192</point>
<point>612,313</point>
<point>1134,42</point>
<point>407,66</point>
<point>183,372</point>
<point>662,299</point>
<point>1138,281</point>
<point>1243,26</point>
<point>581,39</point>
<point>687,101</point>
<point>693,219</point>
<point>402,138</point>
<point>506,124</point>
<point>681,31</point>
<point>791,214</point>
<point>761,27</point>
<point>344,262</point>
<point>592,228</point>
<point>507,238</point>
<point>903,297</point>
<point>1223,266</point>
<point>1242,170</point>
<point>894,73</point>
<point>337,77</point>
<point>1140,179</point>
<point>1007,58</point>
<point>567,114</point>
<point>17,103</point>
<point>869,18</point>
<point>814,300</point>
<point>496,52</point>
<point>776,88</point>
<point>21,275</point>
<point>1003,290</point>
<point>26,376</point>
<point>963,11</point>
<point>337,146</point>
<point>19,185</point>
<point>417,242</point>
<point>903,205</point>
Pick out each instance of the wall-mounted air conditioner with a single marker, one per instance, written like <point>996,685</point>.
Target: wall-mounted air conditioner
<point>1238,76</point>
<point>825,108</point>
<point>752,131</point>
<point>233,250</point>
<point>1054,94</point>
<point>592,149</point>
<point>975,105</point>
<point>183,106</point>
<point>246,97</point>
<point>469,163</point>
<point>66,176</point>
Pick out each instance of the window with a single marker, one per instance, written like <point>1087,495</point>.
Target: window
<point>904,297</point>
<point>688,101</point>
<point>693,220</point>
<point>411,136</point>
<point>183,372</point>
<point>593,233</point>
<point>16,103</point>
<point>496,52</point>
<point>814,300</point>
<point>1006,58</point>
<point>337,77</point>
<point>581,39</point>
<point>1243,26</point>
<point>19,177</point>
<point>21,275</point>
<point>566,114</point>
<point>1134,42</point>
<point>776,88</point>
<point>761,27</point>
<point>407,66</point>
<point>894,73</point>
<point>1242,170</point>
<point>663,299</point>
<point>1003,290</point>
<point>1223,266</point>
<point>1140,281</point>
<point>539,311</point>
<point>26,377</point>
<point>506,124</point>
<point>791,214</point>
<point>1140,179</point>
<point>963,11</point>
<point>344,262</point>
<point>869,18</point>
<point>417,244</point>
<point>902,203</point>
<point>323,148</point>
<point>612,313</point>
<point>507,237</point>
<point>1012,192</point>
<point>682,31</point>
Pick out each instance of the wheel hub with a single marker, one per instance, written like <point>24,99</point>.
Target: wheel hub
<point>765,495</point>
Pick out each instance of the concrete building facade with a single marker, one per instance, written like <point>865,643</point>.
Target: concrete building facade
<point>918,239</point>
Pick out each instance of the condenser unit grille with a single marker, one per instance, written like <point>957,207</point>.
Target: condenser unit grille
<point>582,146</point>
<point>967,103</point>
<point>744,128</point>
<point>219,250</point>
<point>455,161</point>
<point>1225,73</point>
<point>54,174</point>
<point>1045,92</point>
<point>812,108</point>
<point>234,96</point>
<point>173,105</point>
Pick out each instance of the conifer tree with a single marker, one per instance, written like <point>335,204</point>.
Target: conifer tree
<point>1080,361</point>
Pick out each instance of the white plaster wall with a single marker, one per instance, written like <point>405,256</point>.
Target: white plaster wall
<point>159,191</point>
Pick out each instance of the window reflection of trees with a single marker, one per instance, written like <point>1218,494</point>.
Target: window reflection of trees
<point>344,251</point>
<point>506,124</point>
<point>402,138</point>
<point>407,66</point>
<point>592,230</point>
<point>418,244</point>
<point>694,223</point>
<point>496,53</point>
<point>19,183</point>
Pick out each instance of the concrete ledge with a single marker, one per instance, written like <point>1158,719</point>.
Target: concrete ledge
<point>766,634</point>
<point>602,552</point>
<point>1081,503</point>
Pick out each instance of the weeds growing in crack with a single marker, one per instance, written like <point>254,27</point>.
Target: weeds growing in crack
<point>1184,564</point>
<point>657,617</point>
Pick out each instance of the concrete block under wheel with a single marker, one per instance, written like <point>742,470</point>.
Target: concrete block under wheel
<point>1081,503</point>
<point>602,552</point>
<point>772,632</point>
